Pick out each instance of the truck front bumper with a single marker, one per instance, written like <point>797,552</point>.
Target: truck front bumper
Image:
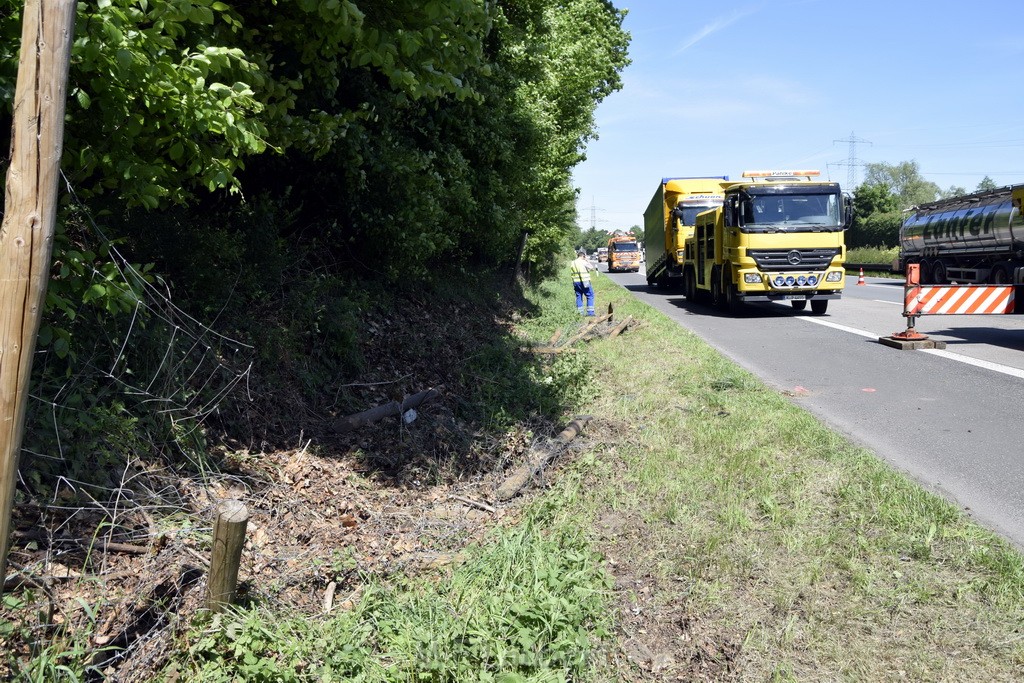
<point>790,285</point>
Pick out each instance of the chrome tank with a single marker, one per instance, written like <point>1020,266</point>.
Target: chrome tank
<point>984,223</point>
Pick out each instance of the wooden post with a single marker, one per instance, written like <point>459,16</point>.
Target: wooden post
<point>30,211</point>
<point>228,539</point>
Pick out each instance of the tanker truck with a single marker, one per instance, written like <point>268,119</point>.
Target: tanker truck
<point>970,239</point>
<point>778,236</point>
<point>669,220</point>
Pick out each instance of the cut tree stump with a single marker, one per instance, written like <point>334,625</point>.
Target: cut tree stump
<point>539,458</point>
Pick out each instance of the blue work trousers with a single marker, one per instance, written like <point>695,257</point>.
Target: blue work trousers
<point>584,289</point>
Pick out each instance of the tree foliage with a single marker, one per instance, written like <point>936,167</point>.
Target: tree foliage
<point>904,181</point>
<point>876,217</point>
<point>262,152</point>
<point>410,131</point>
<point>985,185</point>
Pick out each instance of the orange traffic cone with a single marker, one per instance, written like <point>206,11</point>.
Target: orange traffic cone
<point>860,280</point>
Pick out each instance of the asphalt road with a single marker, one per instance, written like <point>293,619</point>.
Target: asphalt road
<point>951,419</point>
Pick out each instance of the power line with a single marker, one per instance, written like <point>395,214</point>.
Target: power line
<point>852,161</point>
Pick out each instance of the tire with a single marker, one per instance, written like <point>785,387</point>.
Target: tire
<point>926,272</point>
<point>819,306</point>
<point>689,287</point>
<point>732,303</point>
<point>799,304</point>
<point>717,300</point>
<point>939,274</point>
<point>1001,274</point>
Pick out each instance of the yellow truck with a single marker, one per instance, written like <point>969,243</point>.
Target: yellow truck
<point>669,221</point>
<point>623,253</point>
<point>777,236</point>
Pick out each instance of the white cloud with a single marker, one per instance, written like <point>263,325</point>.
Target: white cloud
<point>715,26</point>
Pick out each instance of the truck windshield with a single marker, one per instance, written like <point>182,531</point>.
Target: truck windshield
<point>689,212</point>
<point>792,212</point>
<point>624,246</point>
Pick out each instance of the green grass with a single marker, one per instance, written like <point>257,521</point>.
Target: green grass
<point>530,604</point>
<point>872,254</point>
<point>820,559</point>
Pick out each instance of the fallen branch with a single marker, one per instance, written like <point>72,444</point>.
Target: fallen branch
<point>539,458</point>
<point>620,327</point>
<point>586,330</point>
<point>474,503</point>
<point>393,408</point>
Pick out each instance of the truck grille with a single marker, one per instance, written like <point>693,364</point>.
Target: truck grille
<point>792,259</point>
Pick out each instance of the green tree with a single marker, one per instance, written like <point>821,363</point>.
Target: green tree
<point>592,238</point>
<point>953,191</point>
<point>985,185</point>
<point>903,180</point>
<point>876,217</point>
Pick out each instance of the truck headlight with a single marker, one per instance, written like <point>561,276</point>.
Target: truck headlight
<point>680,254</point>
<point>752,278</point>
<point>834,276</point>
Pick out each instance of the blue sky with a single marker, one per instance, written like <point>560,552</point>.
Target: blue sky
<point>716,89</point>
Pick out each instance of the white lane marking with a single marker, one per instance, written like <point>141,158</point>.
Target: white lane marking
<point>837,326</point>
<point>1006,370</point>
<point>988,365</point>
<point>894,303</point>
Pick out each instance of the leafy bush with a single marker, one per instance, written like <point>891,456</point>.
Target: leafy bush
<point>875,230</point>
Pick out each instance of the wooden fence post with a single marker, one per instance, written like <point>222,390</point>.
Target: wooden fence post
<point>228,539</point>
<point>30,212</point>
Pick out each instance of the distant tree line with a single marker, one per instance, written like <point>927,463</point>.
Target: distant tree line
<point>888,191</point>
<point>592,238</point>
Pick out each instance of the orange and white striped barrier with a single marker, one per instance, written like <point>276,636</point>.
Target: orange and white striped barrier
<point>921,300</point>
<point>958,300</point>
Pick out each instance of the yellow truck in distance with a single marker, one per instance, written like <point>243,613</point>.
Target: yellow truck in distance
<point>778,236</point>
<point>669,221</point>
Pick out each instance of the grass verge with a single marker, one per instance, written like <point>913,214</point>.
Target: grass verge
<point>757,544</point>
<point>709,530</point>
<point>524,606</point>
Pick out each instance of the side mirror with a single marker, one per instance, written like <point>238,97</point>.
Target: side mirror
<point>735,215</point>
<point>847,211</point>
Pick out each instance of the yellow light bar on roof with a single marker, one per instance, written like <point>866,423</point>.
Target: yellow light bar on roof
<point>775,174</point>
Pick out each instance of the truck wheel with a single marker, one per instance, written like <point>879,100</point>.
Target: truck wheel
<point>1000,274</point>
<point>926,272</point>
<point>939,273</point>
<point>689,288</point>
<point>819,306</point>
<point>732,303</point>
<point>799,304</point>
<point>717,300</point>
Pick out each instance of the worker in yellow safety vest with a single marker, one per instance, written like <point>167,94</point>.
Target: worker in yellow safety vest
<point>581,268</point>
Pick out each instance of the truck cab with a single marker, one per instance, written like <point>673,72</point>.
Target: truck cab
<point>779,236</point>
<point>623,253</point>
